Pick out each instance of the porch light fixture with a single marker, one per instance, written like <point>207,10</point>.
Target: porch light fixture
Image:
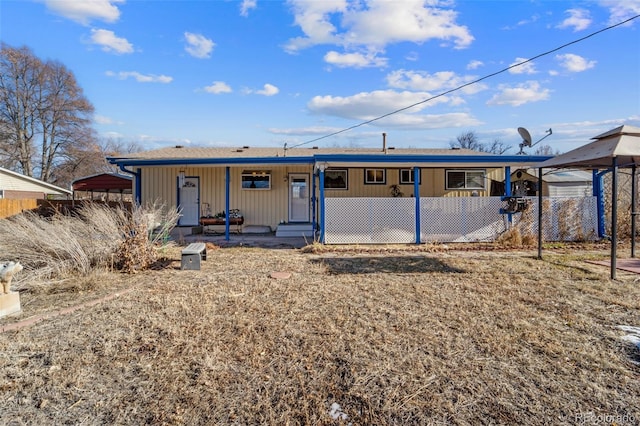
<point>181,179</point>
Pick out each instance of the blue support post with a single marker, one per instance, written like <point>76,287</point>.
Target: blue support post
<point>598,190</point>
<point>313,204</point>
<point>321,203</point>
<point>227,178</point>
<point>507,189</point>
<point>416,192</point>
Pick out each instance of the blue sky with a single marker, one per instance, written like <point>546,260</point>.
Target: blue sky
<point>265,73</point>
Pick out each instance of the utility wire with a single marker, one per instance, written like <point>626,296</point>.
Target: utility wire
<point>469,83</point>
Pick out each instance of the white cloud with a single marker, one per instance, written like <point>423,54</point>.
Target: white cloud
<point>375,23</point>
<point>140,78</point>
<point>439,81</point>
<point>369,105</point>
<point>579,19</point>
<point>526,68</point>
<point>475,64</point>
<point>110,42</point>
<point>621,10</point>
<point>305,131</point>
<point>354,60</point>
<point>198,45</point>
<point>574,63</point>
<point>101,119</point>
<point>218,87</point>
<point>529,91</point>
<point>246,6</point>
<point>268,90</point>
<point>430,121</point>
<point>84,12</point>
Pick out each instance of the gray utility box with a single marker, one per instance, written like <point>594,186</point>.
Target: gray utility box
<point>192,255</point>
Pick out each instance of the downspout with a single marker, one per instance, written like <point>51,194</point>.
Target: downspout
<point>416,192</point>
<point>226,203</point>
<point>138,187</point>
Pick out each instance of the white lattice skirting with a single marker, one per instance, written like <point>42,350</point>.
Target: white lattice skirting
<point>452,219</point>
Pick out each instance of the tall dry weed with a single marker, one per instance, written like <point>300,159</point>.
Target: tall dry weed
<point>97,237</point>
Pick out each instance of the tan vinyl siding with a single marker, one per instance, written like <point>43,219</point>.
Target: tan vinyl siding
<point>259,207</point>
<point>432,184</point>
<point>269,207</point>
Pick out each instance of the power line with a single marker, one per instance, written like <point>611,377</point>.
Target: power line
<point>462,86</point>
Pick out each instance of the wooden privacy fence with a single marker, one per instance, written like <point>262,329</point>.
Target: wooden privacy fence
<point>49,207</point>
<point>13,207</point>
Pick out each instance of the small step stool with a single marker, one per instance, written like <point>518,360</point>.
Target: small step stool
<point>192,255</point>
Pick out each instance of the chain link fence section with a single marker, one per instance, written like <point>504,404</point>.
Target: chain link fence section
<point>563,219</point>
<point>370,220</point>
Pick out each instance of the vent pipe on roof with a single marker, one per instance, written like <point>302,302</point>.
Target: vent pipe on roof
<point>384,143</point>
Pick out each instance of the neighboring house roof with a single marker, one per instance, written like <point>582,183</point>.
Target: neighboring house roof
<point>13,181</point>
<point>330,157</point>
<point>104,182</point>
<point>621,143</point>
<point>563,176</point>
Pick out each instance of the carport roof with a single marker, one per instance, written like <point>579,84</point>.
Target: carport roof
<point>104,182</point>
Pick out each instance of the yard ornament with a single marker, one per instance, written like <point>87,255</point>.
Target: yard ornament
<point>7,271</point>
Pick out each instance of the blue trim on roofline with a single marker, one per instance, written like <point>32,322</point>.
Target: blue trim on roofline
<point>343,158</point>
<point>208,161</point>
<point>426,158</point>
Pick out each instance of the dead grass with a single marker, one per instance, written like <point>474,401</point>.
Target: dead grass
<point>392,336</point>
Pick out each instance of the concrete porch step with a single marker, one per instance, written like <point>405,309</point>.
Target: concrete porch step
<point>294,230</point>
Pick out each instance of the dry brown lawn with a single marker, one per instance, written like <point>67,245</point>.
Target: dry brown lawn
<point>361,337</point>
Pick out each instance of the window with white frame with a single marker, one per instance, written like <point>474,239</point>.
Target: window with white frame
<point>375,176</point>
<point>406,176</point>
<point>256,179</point>
<point>465,179</point>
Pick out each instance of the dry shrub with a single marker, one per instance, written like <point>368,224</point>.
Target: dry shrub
<point>624,203</point>
<point>97,237</point>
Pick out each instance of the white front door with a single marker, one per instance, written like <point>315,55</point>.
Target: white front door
<point>299,197</point>
<point>189,199</point>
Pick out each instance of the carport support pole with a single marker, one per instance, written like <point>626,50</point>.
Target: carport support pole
<point>540,213</point>
<point>634,190</point>
<point>614,215</point>
<point>227,178</point>
<point>416,192</point>
<point>321,202</point>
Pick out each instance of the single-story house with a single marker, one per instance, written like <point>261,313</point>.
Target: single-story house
<point>277,187</point>
<point>556,183</point>
<point>17,186</point>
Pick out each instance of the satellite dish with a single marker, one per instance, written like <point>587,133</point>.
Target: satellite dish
<point>526,136</point>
